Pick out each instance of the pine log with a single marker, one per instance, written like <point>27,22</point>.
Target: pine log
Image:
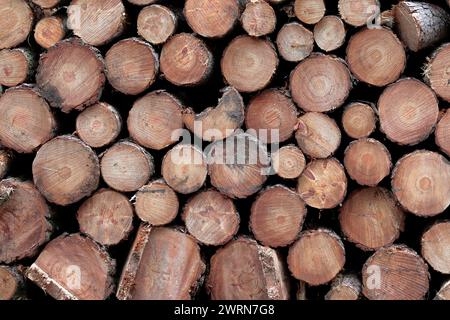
<point>49,31</point>
<point>6,158</point>
<point>420,183</point>
<point>16,66</point>
<point>288,162</point>
<point>395,273</point>
<point>294,42</point>
<point>142,2</point>
<point>244,270</point>
<point>126,166</point>
<point>358,12</point>
<point>345,287</point>
<point>163,264</point>
<point>359,120</point>
<point>436,72</point>
<point>444,292</point>
<point>309,11</point>
<point>65,170</point>
<point>156,23</point>
<point>47,4</point>
<point>329,33</point>
<point>436,246</point>
<point>106,217</point>
<point>11,283</point>
<point>26,121</point>
<point>442,133</point>
<point>323,184</point>
<point>276,2</point>
<point>24,218</point>
<point>16,19</point>
<point>259,18</point>
<point>277,216</point>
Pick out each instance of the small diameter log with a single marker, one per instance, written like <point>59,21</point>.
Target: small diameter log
<point>26,121</point>
<point>5,162</point>
<point>71,75</point>
<point>277,216</point>
<point>436,246</point>
<point>320,83</point>
<point>330,33</point>
<point>316,257</point>
<point>272,115</point>
<point>244,270</point>
<point>359,120</point>
<point>444,292</point>
<point>184,168</point>
<point>16,19</point>
<point>107,217</point>
<point>294,42</point>
<point>437,73</point>
<point>156,23</point>
<point>408,111</point>
<point>212,18</point>
<point>367,161</point>
<point>219,122</point>
<point>323,184</point>
<point>126,166</point>
<point>96,22</point>
<point>344,287</point>
<point>16,66</point>
<point>46,4</point>
<point>49,31</point>
<point>11,283</point>
<point>259,18</point>
<point>99,125</point>
<point>442,133</point>
<point>73,267</point>
<point>131,66</point>
<point>420,183</point>
<point>309,11</point>
<point>24,215</point>
<point>395,273</point>
<point>376,56</point>
<point>358,12</point>
<point>163,264</point>
<point>371,219</point>
<point>211,218</point>
<point>156,203</point>
<point>142,2</point>
<point>288,162</point>
<point>420,24</point>
<point>317,135</point>
<point>65,170</point>
<point>248,64</point>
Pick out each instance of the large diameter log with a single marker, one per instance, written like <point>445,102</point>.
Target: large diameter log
<point>24,218</point>
<point>359,120</point>
<point>436,72</point>
<point>73,267</point>
<point>259,18</point>
<point>442,133</point>
<point>16,66</point>
<point>12,283</point>
<point>46,4</point>
<point>6,158</point>
<point>16,19</point>
<point>344,287</point>
<point>395,273</point>
<point>329,33</point>
<point>65,170</point>
<point>444,292</point>
<point>436,246</point>
<point>358,12</point>
<point>288,162</point>
<point>156,23</point>
<point>244,270</point>
<point>309,11</point>
<point>49,31</point>
<point>294,42</point>
<point>163,264</point>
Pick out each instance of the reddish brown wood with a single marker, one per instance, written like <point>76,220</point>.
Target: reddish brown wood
<point>16,19</point>
<point>6,158</point>
<point>12,283</point>
<point>46,4</point>
<point>442,133</point>
<point>16,66</point>
<point>259,18</point>
<point>288,162</point>
<point>156,23</point>
<point>329,33</point>
<point>49,31</point>
<point>359,120</point>
<point>294,42</point>
<point>436,71</point>
<point>345,287</point>
<point>309,11</point>
<point>436,246</point>
<point>358,12</point>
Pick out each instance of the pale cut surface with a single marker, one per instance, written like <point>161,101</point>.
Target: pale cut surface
<point>358,12</point>
<point>294,42</point>
<point>436,246</point>
<point>359,120</point>
<point>16,19</point>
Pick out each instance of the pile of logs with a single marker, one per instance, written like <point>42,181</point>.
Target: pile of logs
<point>345,103</point>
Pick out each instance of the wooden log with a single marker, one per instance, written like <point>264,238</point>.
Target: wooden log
<point>367,161</point>
<point>106,217</point>
<point>444,292</point>
<point>371,219</point>
<point>65,170</point>
<point>395,273</point>
<point>277,216</point>
<point>24,218</point>
<point>436,71</point>
<point>387,18</point>
<point>142,2</point>
<point>329,33</point>
<point>156,203</point>
<point>442,133</point>
<point>16,20</point>
<point>156,23</point>
<point>73,267</point>
<point>320,83</point>
<point>272,115</point>
<point>46,4</point>
<point>248,64</point>
<point>259,18</point>
<point>211,218</point>
<point>26,121</point>
<point>420,183</point>
<point>376,56</point>
<point>131,66</point>
<point>420,24</point>
<point>317,135</point>
<point>49,31</point>
<point>244,270</point>
<point>126,166</point>
<point>71,75</point>
<point>163,264</point>
<point>16,66</point>
<point>186,60</point>
<point>345,287</point>
<point>154,119</point>
<point>6,158</point>
<point>359,120</point>
<point>436,246</point>
<point>288,162</point>
<point>184,168</point>
<point>323,184</point>
<point>219,122</point>
<point>12,282</point>
<point>309,11</point>
<point>294,42</point>
<point>99,125</point>
<point>358,12</point>
<point>316,257</point>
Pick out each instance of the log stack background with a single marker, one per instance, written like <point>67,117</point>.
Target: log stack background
<point>91,206</point>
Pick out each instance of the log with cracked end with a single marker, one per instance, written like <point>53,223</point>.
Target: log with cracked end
<point>12,283</point>
<point>344,287</point>
<point>358,12</point>
<point>309,11</point>
<point>259,18</point>
<point>436,246</point>
<point>288,162</point>
<point>442,133</point>
<point>16,20</point>
<point>436,72</point>
<point>16,66</point>
<point>49,31</point>
<point>359,120</point>
<point>156,23</point>
<point>294,42</point>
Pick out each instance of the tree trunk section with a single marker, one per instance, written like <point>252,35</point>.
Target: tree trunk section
<point>16,20</point>
<point>49,31</point>
<point>259,18</point>
<point>12,281</point>
<point>330,33</point>
<point>156,24</point>
<point>16,66</point>
<point>309,11</point>
<point>288,162</point>
<point>345,287</point>
<point>46,4</point>
<point>294,42</point>
<point>436,246</point>
<point>442,133</point>
<point>358,12</point>
<point>359,120</point>
<point>436,74</point>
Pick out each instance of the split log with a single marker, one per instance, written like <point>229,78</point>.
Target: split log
<point>16,66</point>
<point>358,12</point>
<point>277,216</point>
<point>156,24</point>
<point>395,273</point>
<point>420,183</point>
<point>65,170</point>
<point>436,72</point>
<point>12,283</point>
<point>316,257</point>
<point>259,18</point>
<point>309,11</point>
<point>6,158</point>
<point>294,42</point>
<point>46,4</point>
<point>442,133</point>
<point>49,31</point>
<point>444,293</point>
<point>345,287</point>
<point>211,218</point>
<point>163,264</point>
<point>288,162</point>
<point>244,270</point>
<point>73,267</point>
<point>16,20</point>
<point>329,33</point>
<point>436,246</point>
<point>359,120</point>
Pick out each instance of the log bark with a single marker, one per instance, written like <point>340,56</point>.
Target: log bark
<point>309,11</point>
<point>288,162</point>
<point>16,20</point>
<point>436,73</point>
<point>358,12</point>
<point>345,287</point>
<point>16,66</point>
<point>436,246</point>
<point>444,292</point>
<point>49,31</point>
<point>13,283</point>
<point>156,24</point>
<point>294,42</point>
<point>6,158</point>
<point>359,120</point>
<point>259,18</point>
<point>442,133</point>
<point>330,33</point>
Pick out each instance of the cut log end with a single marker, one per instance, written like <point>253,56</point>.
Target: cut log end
<point>359,120</point>
<point>358,12</point>
<point>258,18</point>
<point>435,243</point>
<point>329,33</point>
<point>294,42</point>
<point>12,283</point>
<point>436,72</point>
<point>16,19</point>
<point>156,23</point>
<point>49,31</point>
<point>442,133</point>
<point>288,162</point>
<point>309,11</point>
<point>345,287</point>
<point>16,66</point>
<point>46,4</point>
<point>444,292</point>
